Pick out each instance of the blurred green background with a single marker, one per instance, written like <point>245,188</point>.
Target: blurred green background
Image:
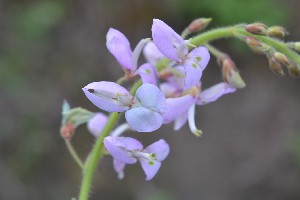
<point>49,50</point>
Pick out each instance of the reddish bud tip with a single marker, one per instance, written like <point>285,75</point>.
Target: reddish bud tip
<point>67,131</point>
<point>198,24</point>
<point>275,66</point>
<point>257,28</point>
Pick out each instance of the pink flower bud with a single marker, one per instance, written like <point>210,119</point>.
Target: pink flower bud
<point>275,66</point>
<point>198,24</point>
<point>257,28</point>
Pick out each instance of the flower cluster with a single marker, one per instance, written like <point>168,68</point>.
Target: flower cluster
<point>169,92</point>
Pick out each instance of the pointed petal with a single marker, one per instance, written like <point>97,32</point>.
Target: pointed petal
<point>137,52</point>
<point>119,148</point>
<point>160,148</point>
<point>142,119</point>
<point>118,45</point>
<point>96,124</point>
<point>177,106</point>
<point>152,54</point>
<point>193,74</point>
<point>180,121</point>
<point>200,56</point>
<point>151,98</point>
<point>119,167</point>
<point>213,93</point>
<point>168,41</point>
<point>148,73</point>
<point>150,167</point>
<point>108,96</point>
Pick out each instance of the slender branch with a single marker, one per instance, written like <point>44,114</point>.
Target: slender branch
<point>121,80</point>
<point>216,52</point>
<point>74,154</point>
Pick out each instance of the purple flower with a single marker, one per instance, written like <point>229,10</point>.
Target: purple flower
<point>152,54</point>
<point>173,46</point>
<point>96,124</point>
<point>119,46</point>
<point>182,109</point>
<point>143,112</point>
<point>126,150</point>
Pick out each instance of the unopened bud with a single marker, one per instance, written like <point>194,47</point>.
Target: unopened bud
<point>198,24</point>
<point>294,45</point>
<point>257,28</point>
<point>256,45</point>
<point>277,31</point>
<point>275,66</point>
<point>67,131</point>
<point>230,73</point>
<point>281,58</point>
<point>294,71</point>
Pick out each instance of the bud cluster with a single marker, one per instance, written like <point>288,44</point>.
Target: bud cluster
<point>277,60</point>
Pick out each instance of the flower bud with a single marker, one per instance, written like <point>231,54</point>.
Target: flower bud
<point>277,31</point>
<point>275,66</point>
<point>281,58</point>
<point>256,45</point>
<point>198,25</point>
<point>297,46</point>
<point>294,70</point>
<point>257,28</point>
<point>231,74</point>
<point>67,131</point>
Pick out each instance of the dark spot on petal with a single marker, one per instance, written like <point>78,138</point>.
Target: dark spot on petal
<point>148,71</point>
<point>194,65</point>
<point>151,163</point>
<point>91,90</point>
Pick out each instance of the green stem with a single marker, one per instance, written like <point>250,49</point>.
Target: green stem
<point>74,154</point>
<point>97,151</point>
<point>216,52</point>
<point>121,80</point>
<point>237,31</point>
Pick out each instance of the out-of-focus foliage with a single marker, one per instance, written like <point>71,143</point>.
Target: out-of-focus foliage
<point>234,11</point>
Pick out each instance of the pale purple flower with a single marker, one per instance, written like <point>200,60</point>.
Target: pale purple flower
<point>143,112</point>
<point>152,54</point>
<point>126,150</point>
<point>119,46</point>
<point>173,46</point>
<point>96,124</point>
<point>182,109</point>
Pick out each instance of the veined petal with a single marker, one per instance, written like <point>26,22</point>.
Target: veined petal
<point>177,107</point>
<point>119,167</point>
<point>200,56</point>
<point>180,121</point>
<point>215,92</point>
<point>168,41</point>
<point>119,46</point>
<point>151,98</point>
<point>148,73</point>
<point>150,167</point>
<point>108,96</point>
<point>161,149</point>
<point>127,143</point>
<point>152,54</point>
<point>115,147</point>
<point>96,124</point>
<point>142,119</point>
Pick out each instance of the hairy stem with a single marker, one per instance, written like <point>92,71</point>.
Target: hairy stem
<point>238,31</point>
